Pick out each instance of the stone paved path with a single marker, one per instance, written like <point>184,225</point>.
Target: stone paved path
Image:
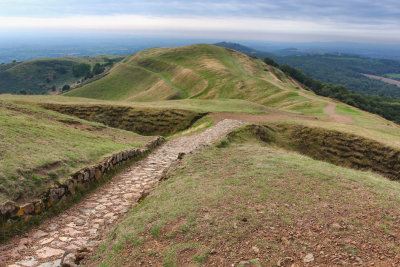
<point>84,225</point>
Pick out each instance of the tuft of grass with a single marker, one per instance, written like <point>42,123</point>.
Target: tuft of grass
<point>155,231</point>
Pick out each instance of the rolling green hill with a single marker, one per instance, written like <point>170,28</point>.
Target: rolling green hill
<point>197,72</point>
<point>43,76</point>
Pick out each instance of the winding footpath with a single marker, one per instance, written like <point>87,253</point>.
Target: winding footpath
<point>65,238</point>
<point>330,108</point>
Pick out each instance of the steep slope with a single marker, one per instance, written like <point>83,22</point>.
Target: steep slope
<point>42,76</point>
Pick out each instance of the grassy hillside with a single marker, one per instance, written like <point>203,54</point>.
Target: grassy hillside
<point>191,72</point>
<point>259,204</point>
<point>214,79</point>
<point>337,69</point>
<point>43,76</point>
<point>40,147</point>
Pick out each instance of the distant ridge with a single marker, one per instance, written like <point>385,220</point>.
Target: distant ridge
<point>245,49</point>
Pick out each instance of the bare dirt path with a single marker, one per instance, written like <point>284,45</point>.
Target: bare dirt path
<point>329,110</point>
<point>83,227</point>
<point>383,79</point>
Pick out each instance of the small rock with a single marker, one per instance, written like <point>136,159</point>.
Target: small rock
<point>360,261</point>
<point>92,231</point>
<point>8,207</point>
<point>28,208</point>
<point>29,262</point>
<point>39,234</point>
<point>46,241</point>
<point>308,258</point>
<point>55,263</point>
<point>71,231</point>
<point>69,260</point>
<point>65,239</point>
<point>48,252</point>
<point>72,247</point>
<point>255,249</point>
<point>53,227</point>
<point>17,251</point>
<point>24,241</point>
<point>284,261</point>
<point>249,263</point>
<point>80,222</point>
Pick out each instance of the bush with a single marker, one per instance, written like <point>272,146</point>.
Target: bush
<point>65,88</point>
<point>81,69</point>
<point>271,62</point>
<point>98,68</point>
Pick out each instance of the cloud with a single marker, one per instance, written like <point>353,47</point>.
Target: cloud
<point>340,19</point>
<point>259,28</point>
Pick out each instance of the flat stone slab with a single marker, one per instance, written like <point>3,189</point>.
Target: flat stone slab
<point>48,252</point>
<point>55,263</point>
<point>30,262</point>
<point>39,234</point>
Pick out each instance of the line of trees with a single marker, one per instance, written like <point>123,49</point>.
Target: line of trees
<point>85,70</point>
<point>385,106</point>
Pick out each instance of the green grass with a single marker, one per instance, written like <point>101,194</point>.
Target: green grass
<point>251,195</point>
<point>196,105</point>
<point>39,148</point>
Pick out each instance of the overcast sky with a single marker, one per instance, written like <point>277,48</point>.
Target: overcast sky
<point>278,20</point>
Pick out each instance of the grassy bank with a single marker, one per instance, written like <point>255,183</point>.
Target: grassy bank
<point>40,147</point>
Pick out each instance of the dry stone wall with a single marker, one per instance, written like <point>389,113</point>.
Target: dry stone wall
<point>78,181</point>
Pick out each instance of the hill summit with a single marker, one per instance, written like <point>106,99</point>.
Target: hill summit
<point>198,72</point>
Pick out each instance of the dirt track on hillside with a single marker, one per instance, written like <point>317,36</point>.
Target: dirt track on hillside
<point>260,118</point>
<point>329,110</point>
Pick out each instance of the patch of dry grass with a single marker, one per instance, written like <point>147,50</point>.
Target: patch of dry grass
<point>256,201</point>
